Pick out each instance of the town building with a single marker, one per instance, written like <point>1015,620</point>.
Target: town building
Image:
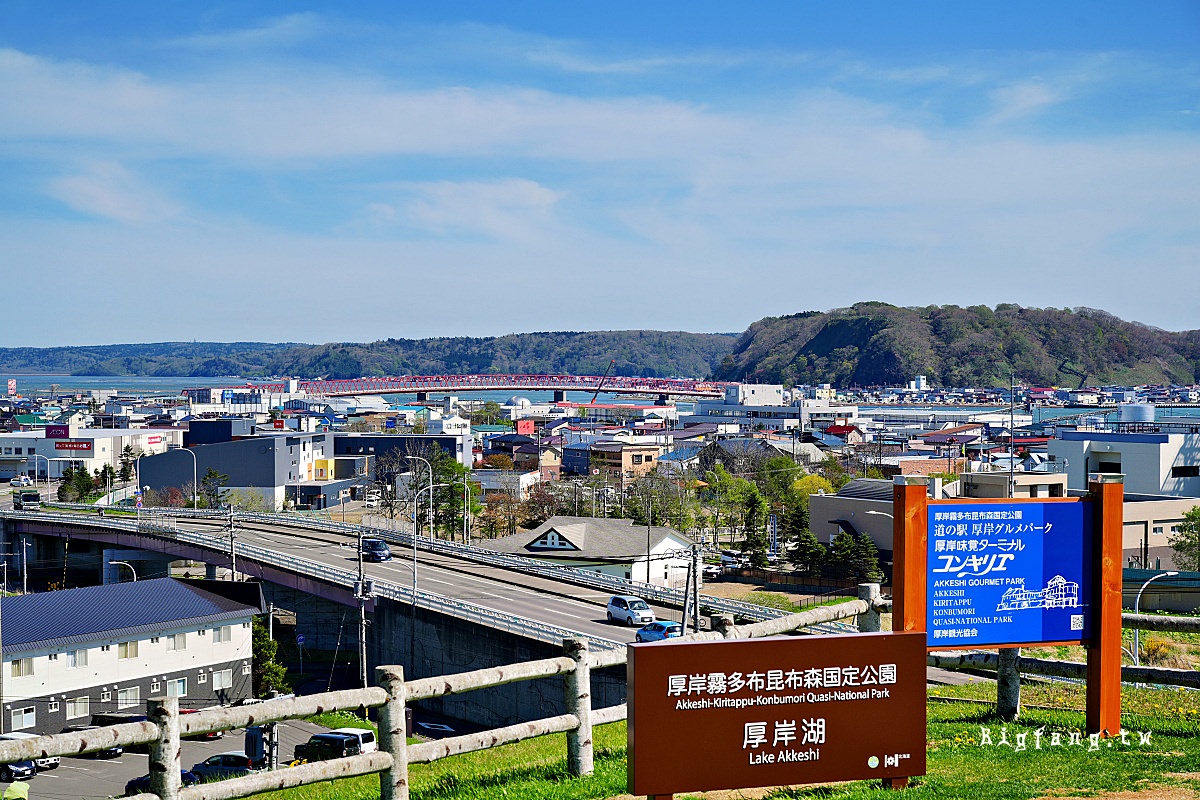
<point>656,555</point>
<point>73,653</point>
<point>55,447</point>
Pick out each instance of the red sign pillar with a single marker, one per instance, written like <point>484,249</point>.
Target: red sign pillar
<point>910,545</point>
<point>1104,653</point>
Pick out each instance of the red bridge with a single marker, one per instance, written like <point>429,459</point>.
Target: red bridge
<point>559,384</point>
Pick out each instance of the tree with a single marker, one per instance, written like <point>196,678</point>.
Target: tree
<point>127,460</point>
<point>755,526</point>
<point>211,484</point>
<point>267,674</point>
<point>842,554</point>
<point>809,485</point>
<point>807,553</point>
<point>1185,541</point>
<point>499,461</point>
<point>83,485</point>
<point>865,564</point>
<point>777,477</point>
<point>246,500</point>
<point>540,504</point>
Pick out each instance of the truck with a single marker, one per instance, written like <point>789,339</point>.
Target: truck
<point>26,500</point>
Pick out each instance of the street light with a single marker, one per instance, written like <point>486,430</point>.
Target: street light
<point>416,494</point>
<point>127,564</point>
<point>1137,604</point>
<point>195,470</point>
<point>37,456</point>
<point>25,545</point>
<point>467,495</point>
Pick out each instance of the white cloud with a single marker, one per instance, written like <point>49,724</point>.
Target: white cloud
<point>803,196</point>
<point>1022,100</point>
<point>110,191</point>
<point>279,32</point>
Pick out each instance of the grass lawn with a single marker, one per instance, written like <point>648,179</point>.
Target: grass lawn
<point>959,764</point>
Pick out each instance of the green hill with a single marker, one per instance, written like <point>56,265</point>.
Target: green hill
<point>874,344</point>
<point>643,353</point>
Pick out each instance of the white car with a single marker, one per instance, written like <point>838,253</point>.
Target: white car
<point>21,480</point>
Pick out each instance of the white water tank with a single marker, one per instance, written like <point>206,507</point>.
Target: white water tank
<point>1135,412</point>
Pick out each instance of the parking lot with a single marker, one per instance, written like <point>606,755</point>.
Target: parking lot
<point>89,778</point>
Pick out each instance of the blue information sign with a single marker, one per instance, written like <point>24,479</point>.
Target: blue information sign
<point>1008,573</point>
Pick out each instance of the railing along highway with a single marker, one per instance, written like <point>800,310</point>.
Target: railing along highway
<point>660,595</point>
<point>163,525</point>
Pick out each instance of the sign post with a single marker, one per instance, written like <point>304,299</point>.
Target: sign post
<point>1104,654</point>
<point>775,712</point>
<point>1007,573</point>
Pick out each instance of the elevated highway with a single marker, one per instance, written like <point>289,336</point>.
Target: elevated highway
<point>470,608</point>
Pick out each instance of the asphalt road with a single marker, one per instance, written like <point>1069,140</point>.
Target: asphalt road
<point>577,608</point>
<point>87,778</point>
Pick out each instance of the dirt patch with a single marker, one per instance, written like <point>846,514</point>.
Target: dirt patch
<point>732,589</point>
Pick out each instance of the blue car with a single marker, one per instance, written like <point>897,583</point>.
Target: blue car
<point>657,631</point>
<point>142,785</point>
<point>376,550</point>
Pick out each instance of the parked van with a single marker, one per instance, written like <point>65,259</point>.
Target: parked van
<point>365,737</point>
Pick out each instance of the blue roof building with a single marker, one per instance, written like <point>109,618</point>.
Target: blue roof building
<point>101,649</point>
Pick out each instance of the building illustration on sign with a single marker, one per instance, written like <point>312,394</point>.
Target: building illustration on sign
<point>1059,593</point>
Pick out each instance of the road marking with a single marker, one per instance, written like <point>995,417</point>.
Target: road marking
<point>562,613</point>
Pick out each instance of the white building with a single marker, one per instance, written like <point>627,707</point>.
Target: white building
<point>60,446</point>
<point>749,405</point>
<point>658,555</point>
<point>1153,463</point>
<point>103,649</point>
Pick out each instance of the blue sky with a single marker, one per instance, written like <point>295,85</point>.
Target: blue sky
<point>322,172</point>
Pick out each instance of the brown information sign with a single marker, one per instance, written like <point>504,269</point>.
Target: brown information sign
<point>775,712</point>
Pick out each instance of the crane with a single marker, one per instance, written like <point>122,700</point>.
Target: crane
<point>612,363</point>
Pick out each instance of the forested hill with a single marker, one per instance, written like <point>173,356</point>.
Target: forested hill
<point>875,344</point>
<point>642,353</point>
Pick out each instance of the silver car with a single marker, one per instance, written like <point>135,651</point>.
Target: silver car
<point>629,610</point>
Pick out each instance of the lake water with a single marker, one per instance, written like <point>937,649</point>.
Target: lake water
<point>32,385</point>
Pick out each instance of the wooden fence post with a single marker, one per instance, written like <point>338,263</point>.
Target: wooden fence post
<point>869,622</point>
<point>393,736</point>
<point>577,685</point>
<point>164,751</point>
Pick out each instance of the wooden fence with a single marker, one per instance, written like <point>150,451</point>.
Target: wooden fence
<point>165,726</point>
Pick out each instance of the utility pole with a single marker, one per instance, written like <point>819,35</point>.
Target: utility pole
<point>25,543</point>
<point>696,588</point>
<point>649,522</point>
<point>232,550</point>
<point>1012,434</point>
<point>361,593</point>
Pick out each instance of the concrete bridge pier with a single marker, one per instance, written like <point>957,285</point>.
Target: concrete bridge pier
<point>325,624</point>
<point>560,395</point>
<point>145,563</point>
<point>422,397</point>
<point>428,643</point>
